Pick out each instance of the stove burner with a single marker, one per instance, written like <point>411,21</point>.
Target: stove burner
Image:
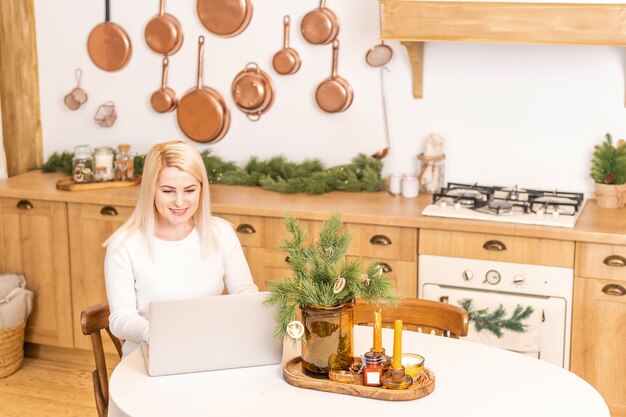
<point>499,207</point>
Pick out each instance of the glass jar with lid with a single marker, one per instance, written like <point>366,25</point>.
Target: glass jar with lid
<point>83,164</point>
<point>123,163</point>
<point>103,158</point>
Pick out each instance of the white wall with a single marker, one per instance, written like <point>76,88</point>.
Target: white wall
<point>510,114</point>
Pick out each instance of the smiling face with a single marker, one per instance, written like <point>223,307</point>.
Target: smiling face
<point>176,199</point>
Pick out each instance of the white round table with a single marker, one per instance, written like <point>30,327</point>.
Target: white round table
<point>471,380</point>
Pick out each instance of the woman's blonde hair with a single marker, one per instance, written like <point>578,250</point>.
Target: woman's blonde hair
<point>185,157</point>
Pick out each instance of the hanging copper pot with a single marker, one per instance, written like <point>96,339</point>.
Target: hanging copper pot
<point>225,17</point>
<point>108,44</point>
<point>164,33</point>
<point>253,91</point>
<point>202,113</point>
<point>286,61</point>
<point>334,94</point>
<point>320,26</point>
<point>164,99</point>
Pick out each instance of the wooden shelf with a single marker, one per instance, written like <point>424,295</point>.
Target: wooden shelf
<point>415,21</point>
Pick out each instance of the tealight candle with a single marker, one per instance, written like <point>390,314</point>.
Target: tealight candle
<point>396,362</point>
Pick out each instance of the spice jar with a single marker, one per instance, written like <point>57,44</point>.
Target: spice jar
<point>82,164</point>
<point>122,163</point>
<point>373,369</point>
<point>103,157</point>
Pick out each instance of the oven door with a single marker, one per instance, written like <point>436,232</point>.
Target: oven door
<point>549,330</point>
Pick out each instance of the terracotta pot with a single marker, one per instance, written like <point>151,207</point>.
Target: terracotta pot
<point>611,196</point>
<point>328,339</point>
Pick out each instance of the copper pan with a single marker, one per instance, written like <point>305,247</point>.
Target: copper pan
<point>164,99</point>
<point>286,61</point>
<point>320,26</point>
<point>202,113</point>
<point>225,17</point>
<point>253,91</point>
<point>334,94</point>
<point>108,44</point>
<point>164,33</point>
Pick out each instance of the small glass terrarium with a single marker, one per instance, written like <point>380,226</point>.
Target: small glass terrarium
<point>105,115</point>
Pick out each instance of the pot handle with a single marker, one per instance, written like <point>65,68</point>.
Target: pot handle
<point>286,21</point>
<point>251,116</point>
<point>252,65</point>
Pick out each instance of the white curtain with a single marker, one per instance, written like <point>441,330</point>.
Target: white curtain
<point>3,158</point>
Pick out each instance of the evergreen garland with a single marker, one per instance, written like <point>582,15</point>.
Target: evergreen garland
<point>496,321</point>
<point>608,165</point>
<point>316,267</point>
<point>275,174</point>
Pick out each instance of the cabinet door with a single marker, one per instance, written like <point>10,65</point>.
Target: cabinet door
<point>267,265</point>
<point>599,340</point>
<point>402,273</point>
<point>33,241</point>
<point>90,225</point>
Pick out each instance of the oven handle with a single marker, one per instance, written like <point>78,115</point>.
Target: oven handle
<point>614,289</point>
<point>494,245</point>
<point>615,260</point>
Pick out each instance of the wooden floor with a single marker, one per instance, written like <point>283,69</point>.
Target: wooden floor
<point>44,388</point>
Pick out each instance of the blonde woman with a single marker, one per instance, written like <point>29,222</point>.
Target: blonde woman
<point>170,247</point>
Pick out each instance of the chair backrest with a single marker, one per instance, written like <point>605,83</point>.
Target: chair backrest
<point>419,315</point>
<point>93,320</point>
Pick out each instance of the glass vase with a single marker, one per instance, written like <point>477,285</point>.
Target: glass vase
<point>328,339</point>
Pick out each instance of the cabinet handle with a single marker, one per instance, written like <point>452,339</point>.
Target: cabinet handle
<point>287,259</point>
<point>108,211</point>
<point>494,245</point>
<point>444,299</point>
<point>385,267</point>
<point>615,260</point>
<point>245,229</point>
<point>614,289</point>
<point>381,240</point>
<point>24,205</point>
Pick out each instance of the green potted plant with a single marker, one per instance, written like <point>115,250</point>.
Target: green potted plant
<point>608,170</point>
<point>323,285</point>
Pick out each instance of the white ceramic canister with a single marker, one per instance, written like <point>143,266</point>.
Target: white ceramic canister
<point>410,187</point>
<point>395,183</point>
<point>103,157</point>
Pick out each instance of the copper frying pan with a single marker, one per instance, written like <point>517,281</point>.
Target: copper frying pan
<point>225,17</point>
<point>163,33</point>
<point>334,94</point>
<point>320,26</point>
<point>108,44</point>
<point>202,113</point>
<point>164,99</point>
<point>286,61</point>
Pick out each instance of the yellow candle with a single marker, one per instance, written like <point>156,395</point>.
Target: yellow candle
<point>378,332</point>
<point>397,345</point>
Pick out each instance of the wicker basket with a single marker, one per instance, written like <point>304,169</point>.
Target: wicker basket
<point>11,349</point>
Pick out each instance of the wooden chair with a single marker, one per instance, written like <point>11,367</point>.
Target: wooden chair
<point>93,320</point>
<point>420,315</point>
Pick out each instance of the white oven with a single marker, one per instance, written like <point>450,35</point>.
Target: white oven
<point>544,290</point>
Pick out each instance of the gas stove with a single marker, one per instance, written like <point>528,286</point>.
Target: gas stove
<point>507,204</point>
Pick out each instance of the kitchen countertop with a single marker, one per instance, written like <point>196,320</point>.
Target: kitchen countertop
<point>595,224</point>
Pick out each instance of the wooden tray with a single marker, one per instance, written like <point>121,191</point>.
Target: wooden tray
<point>68,184</point>
<point>293,374</point>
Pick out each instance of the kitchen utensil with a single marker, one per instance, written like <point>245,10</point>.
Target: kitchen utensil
<point>286,61</point>
<point>334,94</point>
<point>108,44</point>
<point>164,33</point>
<point>77,97</point>
<point>320,26</point>
<point>202,113</point>
<point>164,99</point>
<point>383,152</point>
<point>225,17</point>
<point>105,115</point>
<point>253,91</point>
<point>381,54</point>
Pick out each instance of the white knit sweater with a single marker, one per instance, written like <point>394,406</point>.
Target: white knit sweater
<point>175,271</point>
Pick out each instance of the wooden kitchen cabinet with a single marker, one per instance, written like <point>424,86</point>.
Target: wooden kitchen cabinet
<point>599,318</point>
<point>34,242</point>
<point>90,225</point>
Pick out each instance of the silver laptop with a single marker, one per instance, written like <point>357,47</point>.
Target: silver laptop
<point>210,333</point>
